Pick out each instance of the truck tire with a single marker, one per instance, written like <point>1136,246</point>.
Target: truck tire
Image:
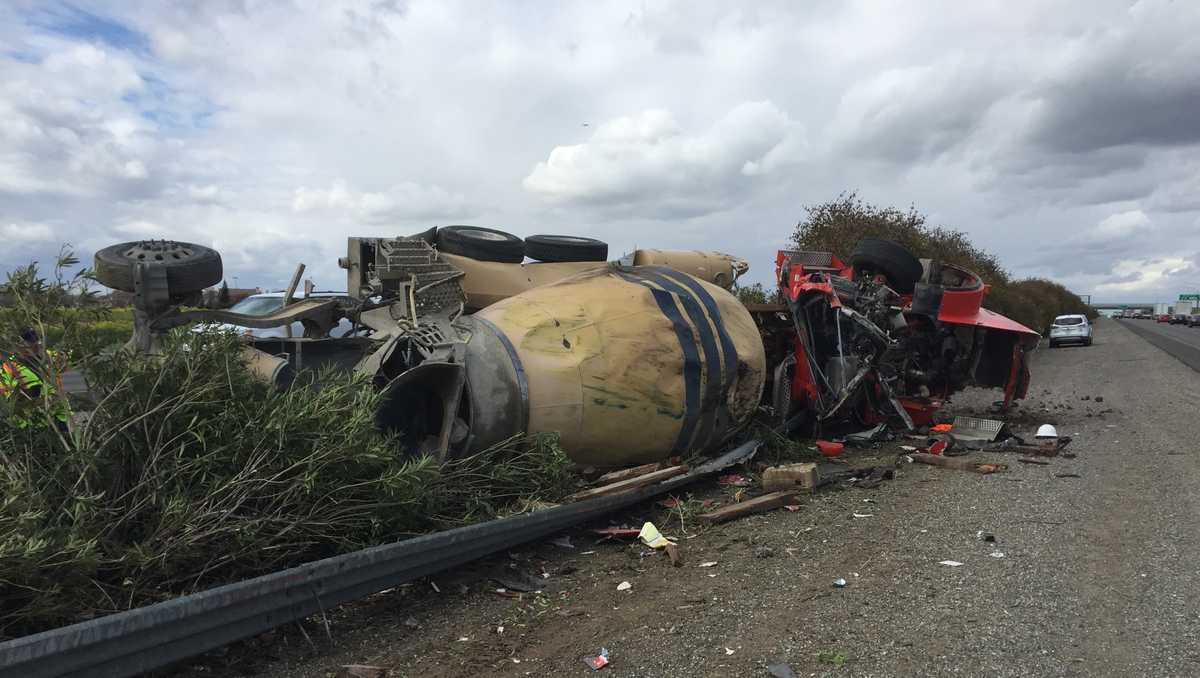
<point>902,269</point>
<point>482,244</point>
<point>190,267</point>
<point>564,248</point>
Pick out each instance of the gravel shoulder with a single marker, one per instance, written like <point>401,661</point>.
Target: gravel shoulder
<point>1097,575</point>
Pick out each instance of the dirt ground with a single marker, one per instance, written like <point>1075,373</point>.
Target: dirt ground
<point>1089,575</point>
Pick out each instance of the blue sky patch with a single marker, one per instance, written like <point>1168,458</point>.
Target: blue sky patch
<point>68,20</point>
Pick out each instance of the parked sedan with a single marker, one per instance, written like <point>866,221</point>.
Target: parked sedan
<point>1070,329</point>
<point>1163,318</point>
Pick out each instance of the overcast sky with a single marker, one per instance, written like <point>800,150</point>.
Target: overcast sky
<point>1060,135</point>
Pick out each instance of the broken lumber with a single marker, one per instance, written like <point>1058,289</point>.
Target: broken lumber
<point>627,473</point>
<point>957,463</point>
<point>766,502</point>
<point>791,477</point>
<point>630,484</point>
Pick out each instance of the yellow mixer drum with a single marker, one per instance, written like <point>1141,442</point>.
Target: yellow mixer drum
<point>627,364</point>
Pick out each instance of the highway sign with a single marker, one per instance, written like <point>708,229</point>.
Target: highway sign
<point>1189,297</point>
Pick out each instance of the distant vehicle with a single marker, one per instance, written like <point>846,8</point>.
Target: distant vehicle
<point>1163,318</point>
<point>270,302</point>
<point>1194,321</point>
<point>1070,329</point>
<point>1179,319</point>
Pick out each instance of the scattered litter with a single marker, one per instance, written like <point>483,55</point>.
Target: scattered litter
<point>624,586</point>
<point>996,554</point>
<point>499,629</point>
<point>868,438</point>
<point>668,503</point>
<point>463,639</point>
<point>728,652</point>
<point>863,515</point>
<point>610,532</point>
<point>434,585</point>
<point>839,583</point>
<point>958,463</point>
<point>411,623</point>
<point>598,661</point>
<point>1067,475</point>
<point>515,580</point>
<point>675,554</point>
<point>975,428</point>
<point>908,448</point>
<point>790,476</point>
<point>1099,399</point>
<point>781,670</point>
<point>792,507</point>
<point>708,564</point>
<point>733,479</point>
<point>950,563</point>
<point>941,428</point>
<point>587,553</point>
<point>763,552</point>
<point>1039,462</point>
<point>364,671</point>
<point>563,542</point>
<point>766,502</point>
<point>1046,431</point>
<point>829,448</point>
<point>651,537</point>
<point>985,536</point>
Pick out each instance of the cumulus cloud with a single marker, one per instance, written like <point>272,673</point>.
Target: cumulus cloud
<point>404,201</point>
<point>26,232</point>
<point>1062,137</point>
<point>1122,224</point>
<point>648,162</point>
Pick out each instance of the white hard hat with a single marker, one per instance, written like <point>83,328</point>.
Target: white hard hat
<point>1046,431</point>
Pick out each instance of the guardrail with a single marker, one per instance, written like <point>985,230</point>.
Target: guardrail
<point>132,642</point>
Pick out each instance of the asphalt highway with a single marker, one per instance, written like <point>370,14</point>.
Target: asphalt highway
<point>1180,341</point>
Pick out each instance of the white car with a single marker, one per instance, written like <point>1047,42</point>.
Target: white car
<point>270,302</point>
<point>1070,329</point>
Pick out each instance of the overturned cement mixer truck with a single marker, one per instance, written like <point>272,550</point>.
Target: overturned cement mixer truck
<point>476,335</point>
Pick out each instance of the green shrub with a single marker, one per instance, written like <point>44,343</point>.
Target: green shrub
<point>185,472</point>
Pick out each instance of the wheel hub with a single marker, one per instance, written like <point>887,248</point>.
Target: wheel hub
<point>150,251</point>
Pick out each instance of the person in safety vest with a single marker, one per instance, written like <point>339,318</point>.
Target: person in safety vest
<point>30,378</point>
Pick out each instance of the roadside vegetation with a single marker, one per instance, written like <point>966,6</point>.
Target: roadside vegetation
<point>182,472</point>
<point>839,224</point>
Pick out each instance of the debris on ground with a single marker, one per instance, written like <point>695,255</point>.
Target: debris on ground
<point>828,448</point>
<point>624,586</point>
<point>790,477</point>
<point>598,661</point>
<point>985,536</point>
<point>650,536</point>
<point>869,438</point>
<point>363,671</point>
<point>950,563</point>
<point>996,554</point>
<point>627,473</point>
<point>628,484</point>
<point>839,583</point>
<point>975,428</point>
<point>733,480</point>
<point>711,563</point>
<point>763,552</point>
<point>1067,475</point>
<point>957,463</point>
<point>766,502</point>
<point>1039,462</point>
<point>516,580</point>
<point>563,542</point>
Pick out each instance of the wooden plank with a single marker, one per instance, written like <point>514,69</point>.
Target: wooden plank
<point>631,484</point>
<point>791,477</point>
<point>627,473</point>
<point>766,502</point>
<point>957,463</point>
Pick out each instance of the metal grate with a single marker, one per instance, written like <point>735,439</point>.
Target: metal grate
<point>811,259</point>
<point>974,428</point>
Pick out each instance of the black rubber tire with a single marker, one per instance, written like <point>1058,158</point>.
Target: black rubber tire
<point>563,248</point>
<point>902,269</point>
<point>483,244</point>
<point>190,267</point>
